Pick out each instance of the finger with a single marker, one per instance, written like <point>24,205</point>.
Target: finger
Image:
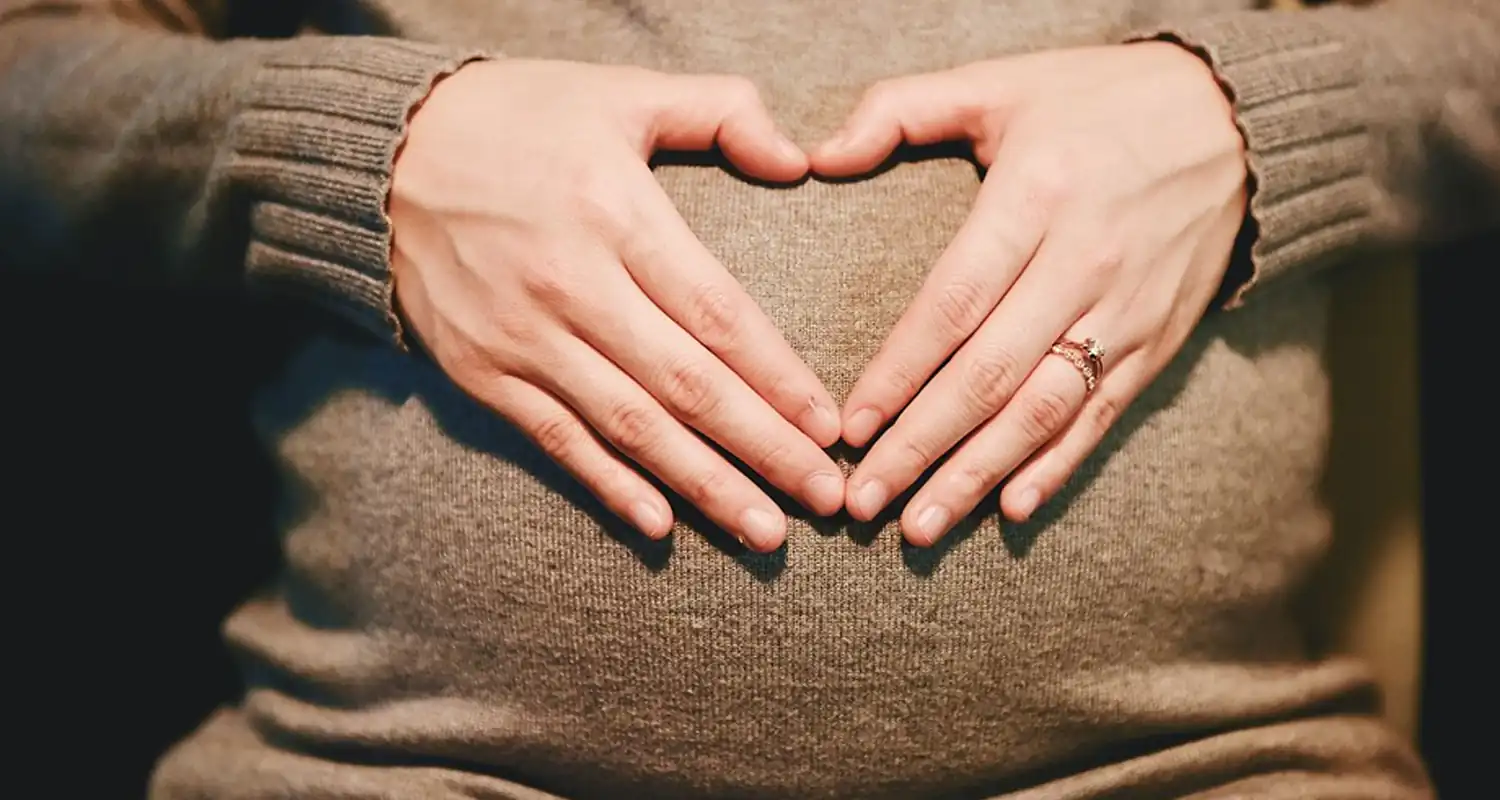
<point>559,433</point>
<point>920,109</point>
<point>976,383</point>
<point>695,112</point>
<point>986,255</point>
<point>1045,474</point>
<point>636,424</point>
<point>699,390</point>
<point>1042,407</point>
<point>686,281</point>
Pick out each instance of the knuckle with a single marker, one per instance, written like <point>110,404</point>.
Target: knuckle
<point>1107,258</point>
<point>1165,309</point>
<point>703,489</point>
<point>1048,176</point>
<point>772,459</point>
<point>550,281</point>
<point>917,454</point>
<point>595,207</point>
<point>633,428</point>
<point>1043,415</point>
<point>1008,243</point>
<point>740,91</point>
<point>466,364</point>
<point>557,435</point>
<point>989,378</point>
<point>636,246</point>
<point>882,96</point>
<point>780,389</point>
<point>973,479</point>
<point>961,307</point>
<point>901,380</point>
<point>1103,412</point>
<point>712,316</point>
<point>519,332</point>
<point>688,391</point>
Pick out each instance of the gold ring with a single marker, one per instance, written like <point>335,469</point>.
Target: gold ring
<point>1086,356</point>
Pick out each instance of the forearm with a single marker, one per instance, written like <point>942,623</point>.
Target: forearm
<point>1366,127</point>
<point>126,141</point>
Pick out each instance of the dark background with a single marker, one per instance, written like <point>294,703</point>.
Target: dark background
<point>1458,402</point>
<point>141,515</point>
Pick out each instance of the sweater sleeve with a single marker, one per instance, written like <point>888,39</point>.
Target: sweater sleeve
<point>1368,126</point>
<point>135,135</point>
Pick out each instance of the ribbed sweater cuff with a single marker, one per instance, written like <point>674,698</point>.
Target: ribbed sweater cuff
<point>1293,84</point>
<point>315,143</point>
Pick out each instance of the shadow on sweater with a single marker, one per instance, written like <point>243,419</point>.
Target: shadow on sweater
<point>374,367</point>
<point>371,367</point>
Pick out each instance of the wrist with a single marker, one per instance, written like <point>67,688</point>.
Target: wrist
<point>1222,125</point>
<point>402,167</point>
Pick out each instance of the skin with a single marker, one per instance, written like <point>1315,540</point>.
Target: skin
<point>584,310</point>
<point>1115,188</point>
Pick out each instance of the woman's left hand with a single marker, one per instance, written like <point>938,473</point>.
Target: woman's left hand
<point>1116,187</point>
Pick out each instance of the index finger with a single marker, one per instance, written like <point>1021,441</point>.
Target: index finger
<point>1002,233</point>
<point>976,384</point>
<point>687,282</point>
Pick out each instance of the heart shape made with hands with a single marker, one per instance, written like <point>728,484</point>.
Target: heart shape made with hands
<point>585,311</point>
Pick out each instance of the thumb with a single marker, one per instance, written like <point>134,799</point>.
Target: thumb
<point>695,112</point>
<point>920,109</point>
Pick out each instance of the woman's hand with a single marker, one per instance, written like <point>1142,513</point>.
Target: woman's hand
<point>1115,190</point>
<point>548,274</point>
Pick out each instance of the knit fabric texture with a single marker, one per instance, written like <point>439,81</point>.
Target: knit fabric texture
<point>458,619</point>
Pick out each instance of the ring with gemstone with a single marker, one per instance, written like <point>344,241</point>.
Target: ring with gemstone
<point>1086,356</point>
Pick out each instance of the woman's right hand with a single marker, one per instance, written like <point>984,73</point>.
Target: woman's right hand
<point>548,274</point>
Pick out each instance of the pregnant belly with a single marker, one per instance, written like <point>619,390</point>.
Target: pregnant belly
<point>450,594</point>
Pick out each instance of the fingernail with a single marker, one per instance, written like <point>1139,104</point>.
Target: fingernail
<point>862,425</point>
<point>870,497</point>
<point>932,522</point>
<point>790,150</point>
<point>1027,503</point>
<point>822,423</point>
<point>760,526</point>
<point>825,492</point>
<point>645,516</point>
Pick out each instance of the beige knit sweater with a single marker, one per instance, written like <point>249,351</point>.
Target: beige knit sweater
<point>458,620</point>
